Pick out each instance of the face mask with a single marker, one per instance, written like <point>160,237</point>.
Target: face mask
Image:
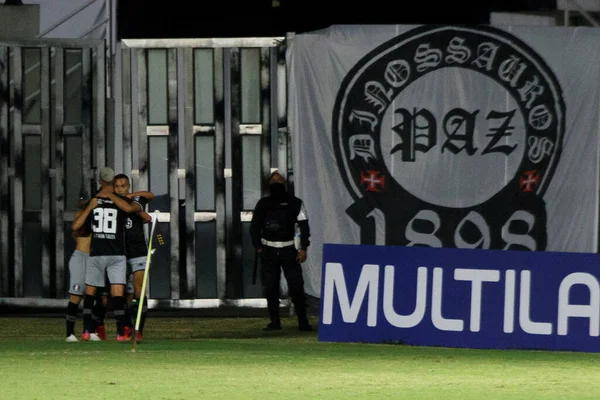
<point>277,188</point>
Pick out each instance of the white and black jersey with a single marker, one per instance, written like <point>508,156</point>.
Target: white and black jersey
<point>135,238</point>
<point>107,224</point>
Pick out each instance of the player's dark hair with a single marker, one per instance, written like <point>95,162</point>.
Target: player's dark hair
<point>121,176</point>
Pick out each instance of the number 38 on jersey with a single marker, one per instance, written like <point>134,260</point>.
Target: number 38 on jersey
<point>104,220</point>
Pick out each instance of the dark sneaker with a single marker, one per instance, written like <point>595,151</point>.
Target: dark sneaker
<point>272,327</point>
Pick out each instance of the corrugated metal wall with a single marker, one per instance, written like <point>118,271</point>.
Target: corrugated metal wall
<point>52,130</point>
<point>202,124</point>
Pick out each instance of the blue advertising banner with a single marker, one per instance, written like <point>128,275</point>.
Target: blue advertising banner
<point>460,298</point>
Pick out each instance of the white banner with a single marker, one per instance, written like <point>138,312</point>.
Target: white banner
<point>446,136</point>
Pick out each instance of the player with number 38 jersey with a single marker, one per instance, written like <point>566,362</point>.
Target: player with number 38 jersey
<point>106,223</point>
<point>106,214</point>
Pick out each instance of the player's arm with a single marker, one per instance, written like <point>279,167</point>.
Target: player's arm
<point>82,232</point>
<point>82,215</point>
<point>124,203</point>
<point>147,218</point>
<point>145,194</point>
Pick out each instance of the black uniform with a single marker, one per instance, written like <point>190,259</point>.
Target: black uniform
<point>106,223</point>
<point>272,230</point>
<point>136,249</point>
<point>135,238</point>
<point>107,258</point>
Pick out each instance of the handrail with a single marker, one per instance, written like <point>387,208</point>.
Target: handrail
<point>65,18</point>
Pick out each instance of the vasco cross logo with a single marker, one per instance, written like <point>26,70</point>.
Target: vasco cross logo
<point>448,137</point>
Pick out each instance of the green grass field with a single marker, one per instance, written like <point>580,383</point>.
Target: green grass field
<point>231,358</point>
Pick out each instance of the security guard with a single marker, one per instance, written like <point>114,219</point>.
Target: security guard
<point>272,230</point>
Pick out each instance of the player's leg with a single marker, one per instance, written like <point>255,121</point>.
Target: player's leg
<point>116,272</point>
<point>77,265</point>
<point>71,317</point>
<point>129,292</point>
<point>99,311</point>
<point>89,326</point>
<point>94,278</point>
<point>138,267</point>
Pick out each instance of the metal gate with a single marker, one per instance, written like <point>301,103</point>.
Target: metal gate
<point>52,138</point>
<point>203,125</point>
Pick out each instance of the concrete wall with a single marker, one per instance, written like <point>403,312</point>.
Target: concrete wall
<point>18,22</point>
<point>78,26</point>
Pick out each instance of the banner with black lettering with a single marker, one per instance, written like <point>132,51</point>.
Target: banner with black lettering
<point>473,137</point>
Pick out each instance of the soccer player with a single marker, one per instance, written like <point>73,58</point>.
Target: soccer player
<point>106,214</point>
<point>136,249</point>
<point>77,267</point>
